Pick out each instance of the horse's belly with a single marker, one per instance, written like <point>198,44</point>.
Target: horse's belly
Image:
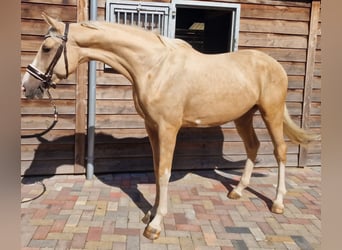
<point>213,116</point>
<point>218,106</point>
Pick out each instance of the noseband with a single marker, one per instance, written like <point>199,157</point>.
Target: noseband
<point>45,78</point>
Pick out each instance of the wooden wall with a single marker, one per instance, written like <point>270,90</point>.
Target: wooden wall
<point>283,29</point>
<point>53,152</point>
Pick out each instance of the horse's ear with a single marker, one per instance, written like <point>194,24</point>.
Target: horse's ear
<point>53,22</point>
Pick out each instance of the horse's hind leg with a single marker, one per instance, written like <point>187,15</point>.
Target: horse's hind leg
<point>273,118</point>
<point>244,126</point>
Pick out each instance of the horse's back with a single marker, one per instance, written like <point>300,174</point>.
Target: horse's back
<point>223,87</point>
<point>243,70</point>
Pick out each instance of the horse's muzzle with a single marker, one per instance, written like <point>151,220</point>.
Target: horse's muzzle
<point>36,93</point>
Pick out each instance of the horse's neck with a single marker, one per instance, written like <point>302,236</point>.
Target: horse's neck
<point>130,52</point>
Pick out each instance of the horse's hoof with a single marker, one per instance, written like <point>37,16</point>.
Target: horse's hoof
<point>234,195</point>
<point>151,233</point>
<point>277,209</point>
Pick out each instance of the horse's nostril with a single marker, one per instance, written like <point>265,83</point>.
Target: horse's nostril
<point>23,89</point>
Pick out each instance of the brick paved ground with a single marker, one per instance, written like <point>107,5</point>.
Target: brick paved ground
<point>106,213</point>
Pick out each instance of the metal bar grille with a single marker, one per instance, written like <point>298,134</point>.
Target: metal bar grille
<point>150,16</point>
<point>144,19</point>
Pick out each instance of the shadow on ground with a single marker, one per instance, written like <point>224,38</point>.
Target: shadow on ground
<point>131,153</point>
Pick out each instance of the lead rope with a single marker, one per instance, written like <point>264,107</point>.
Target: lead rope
<point>37,196</point>
<point>55,114</point>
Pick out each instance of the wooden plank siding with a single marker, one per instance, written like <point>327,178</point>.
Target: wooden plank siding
<point>312,70</point>
<point>53,152</point>
<point>279,28</point>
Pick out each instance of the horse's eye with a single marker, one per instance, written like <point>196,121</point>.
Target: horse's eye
<point>46,49</point>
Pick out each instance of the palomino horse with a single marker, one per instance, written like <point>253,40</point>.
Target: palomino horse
<point>175,86</point>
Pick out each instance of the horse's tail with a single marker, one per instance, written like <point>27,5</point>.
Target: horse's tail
<point>295,133</point>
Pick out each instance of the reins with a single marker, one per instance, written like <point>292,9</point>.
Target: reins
<point>55,114</point>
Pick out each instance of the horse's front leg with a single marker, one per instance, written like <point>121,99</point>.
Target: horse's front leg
<point>154,141</point>
<point>163,140</point>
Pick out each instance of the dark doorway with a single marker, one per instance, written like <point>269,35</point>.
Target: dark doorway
<point>207,30</point>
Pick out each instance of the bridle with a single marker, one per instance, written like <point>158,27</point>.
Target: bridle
<point>45,78</point>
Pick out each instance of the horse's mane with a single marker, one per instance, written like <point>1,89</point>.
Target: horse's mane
<point>91,25</point>
<point>173,43</point>
<point>167,42</point>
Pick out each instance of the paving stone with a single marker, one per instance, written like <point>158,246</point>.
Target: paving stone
<point>188,227</point>
<point>119,246</point>
<point>152,246</point>
<point>94,234</point>
<point>301,242</point>
<point>60,236</point>
<point>41,233</point>
<point>238,230</point>
<point>257,233</point>
<point>298,204</point>
<point>78,240</point>
<point>186,243</point>
<point>208,248</point>
<point>177,233</point>
<point>63,244</point>
<point>173,247</point>
<point>73,220</point>
<point>58,226</point>
<point>133,242</point>
<point>43,243</point>
<point>25,239</point>
<point>78,229</point>
<point>239,245</point>
<point>278,238</point>
<point>250,240</point>
<point>103,245</point>
<point>75,213</point>
<point>42,222</point>
<point>167,240</point>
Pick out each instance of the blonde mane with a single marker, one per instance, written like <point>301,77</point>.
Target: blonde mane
<point>90,24</point>
<point>173,43</point>
<point>167,42</point>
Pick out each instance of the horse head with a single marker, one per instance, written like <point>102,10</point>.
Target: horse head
<point>52,62</point>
